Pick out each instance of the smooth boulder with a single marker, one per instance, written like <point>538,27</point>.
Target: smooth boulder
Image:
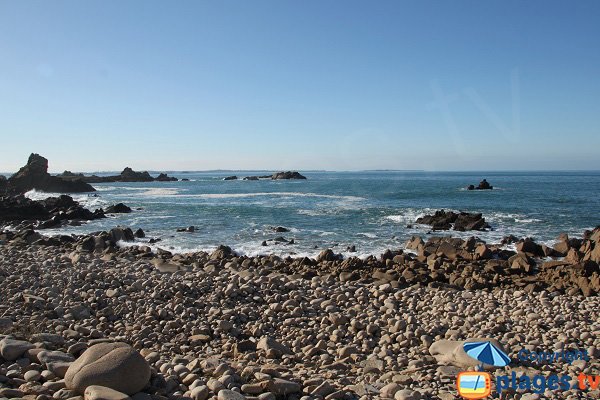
<point>114,365</point>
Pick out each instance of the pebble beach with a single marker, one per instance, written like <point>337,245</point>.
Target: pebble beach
<point>227,327</point>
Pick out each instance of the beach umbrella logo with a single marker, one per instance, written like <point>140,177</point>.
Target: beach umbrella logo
<point>487,353</point>
<point>477,385</point>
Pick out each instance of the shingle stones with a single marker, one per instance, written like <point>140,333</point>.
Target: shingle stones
<point>114,365</point>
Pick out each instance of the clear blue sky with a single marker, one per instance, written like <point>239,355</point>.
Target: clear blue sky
<point>343,85</point>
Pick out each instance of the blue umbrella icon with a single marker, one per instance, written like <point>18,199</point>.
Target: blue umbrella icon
<point>486,353</point>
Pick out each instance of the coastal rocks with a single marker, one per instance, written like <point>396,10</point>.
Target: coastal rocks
<point>328,255</point>
<point>3,184</point>
<point>162,177</point>
<point>230,178</point>
<point>288,175</point>
<point>34,175</point>
<point>483,185</point>
<point>127,175</point>
<point>114,365</point>
<point>119,208</point>
<point>462,221</point>
<point>48,213</point>
<point>275,176</point>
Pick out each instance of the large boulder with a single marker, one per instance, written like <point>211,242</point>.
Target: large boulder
<point>34,175</point>
<point>114,365</point>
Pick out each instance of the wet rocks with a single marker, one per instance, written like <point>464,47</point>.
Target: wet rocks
<point>462,221</point>
<point>114,365</point>
<point>483,185</point>
<point>230,178</point>
<point>119,208</point>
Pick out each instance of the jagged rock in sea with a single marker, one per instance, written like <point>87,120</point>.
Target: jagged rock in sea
<point>483,185</point>
<point>119,208</point>
<point>230,178</point>
<point>34,175</point>
<point>288,175</point>
<point>462,221</point>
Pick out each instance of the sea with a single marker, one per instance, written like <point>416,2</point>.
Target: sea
<point>371,210</point>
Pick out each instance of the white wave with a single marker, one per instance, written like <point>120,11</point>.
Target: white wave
<point>160,192</point>
<point>280,194</point>
<point>367,234</point>
<point>90,202</point>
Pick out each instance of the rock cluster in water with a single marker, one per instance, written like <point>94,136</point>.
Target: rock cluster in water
<point>23,213</point>
<point>127,175</point>
<point>461,221</point>
<point>34,175</point>
<point>275,176</point>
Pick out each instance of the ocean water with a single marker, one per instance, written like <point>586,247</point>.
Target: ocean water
<point>372,210</point>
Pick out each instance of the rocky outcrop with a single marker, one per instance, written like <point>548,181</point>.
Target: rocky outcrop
<point>48,213</point>
<point>483,185</point>
<point>34,175</point>
<point>230,178</point>
<point>462,221</point>
<point>3,184</point>
<point>127,175</point>
<point>275,176</point>
<point>288,175</point>
<point>119,208</point>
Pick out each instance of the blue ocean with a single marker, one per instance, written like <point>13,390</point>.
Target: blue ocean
<point>372,211</point>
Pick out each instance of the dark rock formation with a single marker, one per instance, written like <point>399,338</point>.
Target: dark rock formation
<point>230,178</point>
<point>483,185</point>
<point>35,175</point>
<point>279,229</point>
<point>127,175</point>
<point>162,177</point>
<point>3,184</point>
<point>119,208</point>
<point>275,176</point>
<point>287,175</point>
<point>48,213</point>
<point>462,221</point>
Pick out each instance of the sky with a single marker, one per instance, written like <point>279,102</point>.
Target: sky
<point>328,84</point>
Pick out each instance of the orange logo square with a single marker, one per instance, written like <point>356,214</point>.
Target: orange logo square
<point>474,385</point>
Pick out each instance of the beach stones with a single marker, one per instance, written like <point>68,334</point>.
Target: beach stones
<point>11,349</point>
<point>114,365</point>
<point>96,392</point>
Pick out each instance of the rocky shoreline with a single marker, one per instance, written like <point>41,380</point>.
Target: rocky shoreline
<point>219,325</point>
<point>110,316</point>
